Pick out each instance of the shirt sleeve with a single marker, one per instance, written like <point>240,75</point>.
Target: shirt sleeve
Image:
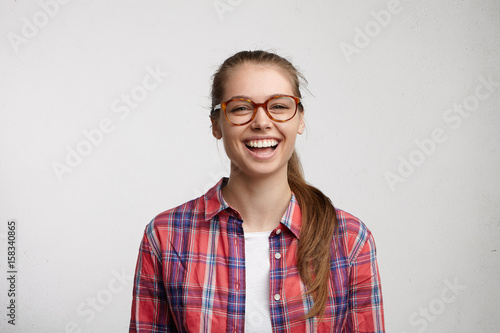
<point>365,295</point>
<point>149,303</point>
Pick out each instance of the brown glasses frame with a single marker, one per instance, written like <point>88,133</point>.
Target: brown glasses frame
<point>256,106</point>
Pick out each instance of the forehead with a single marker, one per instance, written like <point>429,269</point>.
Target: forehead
<point>257,81</point>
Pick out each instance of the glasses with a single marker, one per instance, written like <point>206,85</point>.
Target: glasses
<point>241,111</point>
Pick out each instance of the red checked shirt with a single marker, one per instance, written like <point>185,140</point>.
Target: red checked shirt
<point>190,274</point>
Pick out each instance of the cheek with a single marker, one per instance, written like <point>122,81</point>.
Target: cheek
<point>290,131</point>
<point>230,138</point>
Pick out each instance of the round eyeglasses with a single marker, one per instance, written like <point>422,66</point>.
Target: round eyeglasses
<point>241,111</point>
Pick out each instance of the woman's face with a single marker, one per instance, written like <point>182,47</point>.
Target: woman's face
<point>258,83</point>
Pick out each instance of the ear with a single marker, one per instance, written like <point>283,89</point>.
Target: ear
<point>216,132</point>
<point>302,124</point>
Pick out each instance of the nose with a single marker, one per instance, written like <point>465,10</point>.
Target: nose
<point>261,119</point>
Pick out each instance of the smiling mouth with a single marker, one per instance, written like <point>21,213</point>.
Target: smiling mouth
<point>262,146</point>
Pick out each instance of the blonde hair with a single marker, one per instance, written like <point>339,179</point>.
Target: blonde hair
<point>318,214</point>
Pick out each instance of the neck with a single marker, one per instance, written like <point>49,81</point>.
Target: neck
<point>261,201</point>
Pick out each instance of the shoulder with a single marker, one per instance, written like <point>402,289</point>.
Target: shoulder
<point>182,214</point>
<point>175,221</point>
<point>188,217</point>
<point>353,234</point>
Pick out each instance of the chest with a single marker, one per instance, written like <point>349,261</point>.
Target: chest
<point>205,279</point>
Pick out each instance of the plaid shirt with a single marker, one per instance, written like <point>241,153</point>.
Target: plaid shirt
<point>190,274</point>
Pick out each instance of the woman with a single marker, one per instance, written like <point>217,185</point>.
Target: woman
<point>262,251</point>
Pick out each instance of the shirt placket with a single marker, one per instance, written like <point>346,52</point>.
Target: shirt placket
<point>236,301</point>
<point>276,274</point>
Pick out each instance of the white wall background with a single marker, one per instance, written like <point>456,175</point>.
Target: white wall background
<point>65,72</point>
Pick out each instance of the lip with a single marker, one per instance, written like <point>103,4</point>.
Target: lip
<point>261,156</point>
<point>261,138</point>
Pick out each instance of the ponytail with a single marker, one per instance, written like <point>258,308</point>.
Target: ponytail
<point>318,226</point>
<point>318,214</point>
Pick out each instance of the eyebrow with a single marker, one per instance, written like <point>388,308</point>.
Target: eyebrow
<point>248,97</point>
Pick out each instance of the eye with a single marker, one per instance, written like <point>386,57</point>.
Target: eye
<point>279,106</point>
<point>239,106</point>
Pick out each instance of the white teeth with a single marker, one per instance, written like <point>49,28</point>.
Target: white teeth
<point>262,143</point>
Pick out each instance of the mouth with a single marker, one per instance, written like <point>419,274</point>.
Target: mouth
<point>262,146</point>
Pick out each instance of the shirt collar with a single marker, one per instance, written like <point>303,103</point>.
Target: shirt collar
<point>292,218</point>
<point>215,203</point>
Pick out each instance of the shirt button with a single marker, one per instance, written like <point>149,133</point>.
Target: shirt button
<point>277,256</point>
<point>237,286</point>
<point>278,231</point>
<point>277,297</point>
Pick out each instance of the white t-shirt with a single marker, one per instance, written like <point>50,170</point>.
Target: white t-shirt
<point>257,266</point>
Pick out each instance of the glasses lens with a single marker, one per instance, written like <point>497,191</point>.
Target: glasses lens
<point>239,111</point>
<point>282,107</point>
